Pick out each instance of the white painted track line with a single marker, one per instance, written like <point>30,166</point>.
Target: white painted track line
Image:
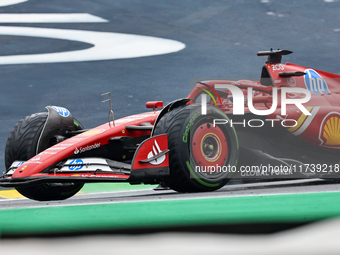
<point>11,2</point>
<point>107,45</point>
<point>49,18</point>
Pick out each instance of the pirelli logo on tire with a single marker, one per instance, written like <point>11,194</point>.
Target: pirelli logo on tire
<point>187,128</point>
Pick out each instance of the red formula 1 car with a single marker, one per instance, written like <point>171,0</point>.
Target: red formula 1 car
<point>193,144</point>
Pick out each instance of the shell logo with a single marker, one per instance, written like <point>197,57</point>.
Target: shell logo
<point>330,130</point>
<point>93,132</point>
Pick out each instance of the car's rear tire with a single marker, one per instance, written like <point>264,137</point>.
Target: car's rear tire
<point>195,144</point>
<point>22,145</point>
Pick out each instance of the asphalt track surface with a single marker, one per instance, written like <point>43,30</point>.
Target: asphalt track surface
<point>221,39</point>
<point>231,190</point>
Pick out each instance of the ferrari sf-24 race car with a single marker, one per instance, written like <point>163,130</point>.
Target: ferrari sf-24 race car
<point>227,124</point>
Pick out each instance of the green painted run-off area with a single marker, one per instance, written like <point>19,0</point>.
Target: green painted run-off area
<point>225,210</point>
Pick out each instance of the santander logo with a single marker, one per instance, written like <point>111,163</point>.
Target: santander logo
<point>87,148</point>
<point>155,151</point>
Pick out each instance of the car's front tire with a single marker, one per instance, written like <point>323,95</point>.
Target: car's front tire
<point>22,145</point>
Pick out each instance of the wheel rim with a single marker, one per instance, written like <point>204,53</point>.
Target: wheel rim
<point>210,147</point>
<point>210,150</point>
